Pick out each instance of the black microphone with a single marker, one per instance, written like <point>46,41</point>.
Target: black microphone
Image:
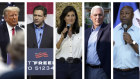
<point>125,30</point>
<point>22,26</point>
<point>40,34</point>
<point>68,26</point>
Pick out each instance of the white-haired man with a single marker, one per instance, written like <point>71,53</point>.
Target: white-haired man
<point>98,47</point>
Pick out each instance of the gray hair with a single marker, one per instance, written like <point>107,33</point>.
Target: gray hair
<point>97,7</point>
<point>10,8</point>
<point>16,47</point>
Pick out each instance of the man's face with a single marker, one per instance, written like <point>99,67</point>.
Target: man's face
<point>97,17</point>
<point>11,17</point>
<point>126,15</point>
<point>38,17</point>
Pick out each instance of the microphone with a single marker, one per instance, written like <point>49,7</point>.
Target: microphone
<point>125,30</point>
<point>22,26</point>
<point>125,27</point>
<point>40,34</point>
<point>68,26</point>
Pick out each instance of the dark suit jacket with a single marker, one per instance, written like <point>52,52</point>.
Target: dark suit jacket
<point>47,39</point>
<point>46,42</point>
<point>5,39</point>
<point>103,47</point>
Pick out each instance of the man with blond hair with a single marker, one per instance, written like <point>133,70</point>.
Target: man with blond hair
<point>8,29</point>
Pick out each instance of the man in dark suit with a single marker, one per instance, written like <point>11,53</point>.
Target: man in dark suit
<point>39,35</point>
<point>98,47</point>
<point>8,28</point>
<point>16,51</point>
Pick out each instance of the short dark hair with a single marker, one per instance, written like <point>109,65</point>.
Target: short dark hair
<point>40,7</point>
<point>129,7</point>
<point>75,28</point>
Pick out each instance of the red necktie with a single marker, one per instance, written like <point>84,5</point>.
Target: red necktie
<point>13,31</point>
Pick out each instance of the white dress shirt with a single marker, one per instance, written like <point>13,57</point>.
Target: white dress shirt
<point>70,46</point>
<point>10,31</point>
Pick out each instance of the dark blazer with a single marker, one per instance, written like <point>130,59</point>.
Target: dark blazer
<point>47,39</point>
<point>5,39</point>
<point>103,47</point>
<point>46,42</point>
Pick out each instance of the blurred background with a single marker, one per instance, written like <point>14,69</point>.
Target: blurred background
<point>18,4</point>
<point>116,8</point>
<point>60,7</point>
<point>107,12</point>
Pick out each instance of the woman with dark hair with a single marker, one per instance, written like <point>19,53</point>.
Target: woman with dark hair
<point>69,46</point>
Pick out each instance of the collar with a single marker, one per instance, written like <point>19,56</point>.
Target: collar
<point>92,29</point>
<point>9,27</point>
<point>131,28</point>
<point>42,27</point>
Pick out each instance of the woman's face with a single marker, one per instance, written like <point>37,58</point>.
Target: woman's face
<point>70,18</point>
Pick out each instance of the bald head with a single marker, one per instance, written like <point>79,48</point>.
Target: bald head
<point>126,15</point>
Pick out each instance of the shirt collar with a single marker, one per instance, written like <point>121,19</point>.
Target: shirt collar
<point>92,29</point>
<point>131,28</point>
<point>9,27</point>
<point>42,27</point>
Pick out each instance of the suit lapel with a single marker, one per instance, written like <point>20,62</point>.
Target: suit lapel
<point>100,31</point>
<point>33,34</point>
<point>45,33</point>
<point>88,34</point>
<point>6,32</point>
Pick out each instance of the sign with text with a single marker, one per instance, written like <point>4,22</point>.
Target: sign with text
<point>39,61</point>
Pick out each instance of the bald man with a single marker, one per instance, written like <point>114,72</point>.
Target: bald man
<point>126,47</point>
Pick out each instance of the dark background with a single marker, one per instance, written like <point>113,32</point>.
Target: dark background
<point>18,4</point>
<point>116,8</point>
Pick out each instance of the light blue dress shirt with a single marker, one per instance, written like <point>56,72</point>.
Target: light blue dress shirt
<point>39,34</point>
<point>124,55</point>
<point>92,56</point>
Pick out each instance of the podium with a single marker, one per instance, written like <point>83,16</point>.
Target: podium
<point>39,61</point>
